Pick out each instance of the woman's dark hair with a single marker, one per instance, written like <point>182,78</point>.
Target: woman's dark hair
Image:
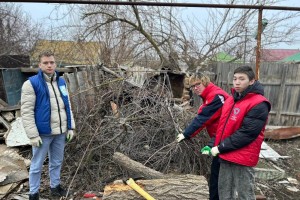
<point>245,70</point>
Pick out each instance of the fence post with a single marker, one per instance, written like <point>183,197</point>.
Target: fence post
<point>281,96</point>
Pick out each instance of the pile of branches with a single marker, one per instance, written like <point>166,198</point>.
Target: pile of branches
<point>143,125</point>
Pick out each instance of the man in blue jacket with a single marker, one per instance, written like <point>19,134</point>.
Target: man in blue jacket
<point>48,122</point>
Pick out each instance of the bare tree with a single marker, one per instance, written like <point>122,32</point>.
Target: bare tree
<point>134,33</point>
<point>147,33</point>
<point>233,30</point>
<point>17,32</point>
<point>163,37</point>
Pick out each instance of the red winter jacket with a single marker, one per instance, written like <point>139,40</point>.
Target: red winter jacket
<point>209,112</point>
<point>233,121</point>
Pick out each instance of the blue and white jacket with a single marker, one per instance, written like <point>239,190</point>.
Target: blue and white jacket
<point>45,106</point>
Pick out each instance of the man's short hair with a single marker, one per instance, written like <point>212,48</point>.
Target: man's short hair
<point>45,54</point>
<point>245,70</point>
<point>198,79</point>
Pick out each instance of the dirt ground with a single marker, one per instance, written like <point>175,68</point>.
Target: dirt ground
<point>279,189</point>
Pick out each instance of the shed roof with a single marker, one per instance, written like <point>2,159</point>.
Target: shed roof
<point>225,57</point>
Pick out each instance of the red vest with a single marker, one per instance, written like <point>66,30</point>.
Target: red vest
<point>231,120</point>
<point>208,96</point>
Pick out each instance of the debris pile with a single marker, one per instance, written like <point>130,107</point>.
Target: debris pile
<point>13,168</point>
<point>126,130</point>
<point>137,121</point>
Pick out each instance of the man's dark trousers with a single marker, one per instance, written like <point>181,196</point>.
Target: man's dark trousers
<point>213,181</point>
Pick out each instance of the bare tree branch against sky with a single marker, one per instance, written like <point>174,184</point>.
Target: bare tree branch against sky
<point>44,12</point>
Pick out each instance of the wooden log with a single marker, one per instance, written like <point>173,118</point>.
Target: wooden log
<point>135,167</point>
<point>282,132</point>
<point>189,186</point>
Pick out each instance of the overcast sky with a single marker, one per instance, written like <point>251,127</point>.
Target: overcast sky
<point>41,12</point>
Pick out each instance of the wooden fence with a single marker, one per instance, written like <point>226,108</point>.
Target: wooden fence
<point>281,84</point>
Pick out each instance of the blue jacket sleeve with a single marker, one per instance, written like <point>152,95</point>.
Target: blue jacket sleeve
<point>251,127</point>
<point>207,112</point>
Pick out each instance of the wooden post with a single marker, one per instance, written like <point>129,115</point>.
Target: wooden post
<point>258,46</point>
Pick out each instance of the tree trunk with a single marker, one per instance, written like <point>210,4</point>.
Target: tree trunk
<point>136,168</point>
<point>190,187</point>
<point>162,186</point>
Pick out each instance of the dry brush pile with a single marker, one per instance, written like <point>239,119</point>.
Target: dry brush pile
<point>143,127</point>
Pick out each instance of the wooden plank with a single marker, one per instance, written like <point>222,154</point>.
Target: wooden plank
<point>35,70</point>
<point>281,132</point>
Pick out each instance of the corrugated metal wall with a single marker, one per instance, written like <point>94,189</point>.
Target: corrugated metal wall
<point>282,87</point>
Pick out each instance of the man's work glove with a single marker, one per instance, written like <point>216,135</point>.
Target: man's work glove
<point>214,151</point>
<point>180,137</point>
<point>206,150</point>
<point>70,135</point>
<point>36,141</point>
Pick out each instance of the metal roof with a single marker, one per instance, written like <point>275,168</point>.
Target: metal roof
<point>274,55</point>
<point>293,58</point>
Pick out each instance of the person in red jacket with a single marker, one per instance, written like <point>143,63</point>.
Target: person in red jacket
<point>208,117</point>
<point>240,134</point>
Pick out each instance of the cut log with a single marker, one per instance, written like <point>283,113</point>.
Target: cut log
<point>281,132</point>
<point>136,168</point>
<point>162,186</point>
<point>190,187</point>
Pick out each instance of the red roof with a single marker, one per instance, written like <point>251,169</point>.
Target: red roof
<point>273,55</point>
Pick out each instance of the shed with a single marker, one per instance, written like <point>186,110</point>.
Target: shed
<point>11,77</point>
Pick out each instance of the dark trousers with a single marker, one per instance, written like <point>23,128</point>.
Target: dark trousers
<point>213,180</point>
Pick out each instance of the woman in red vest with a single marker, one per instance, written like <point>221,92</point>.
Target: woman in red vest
<point>208,117</point>
<point>240,134</point>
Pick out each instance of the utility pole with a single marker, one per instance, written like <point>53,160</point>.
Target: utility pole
<point>262,23</point>
<point>258,46</point>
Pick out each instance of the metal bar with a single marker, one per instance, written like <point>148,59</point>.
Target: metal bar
<point>199,5</point>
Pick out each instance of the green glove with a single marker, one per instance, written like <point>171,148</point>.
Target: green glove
<point>206,150</point>
<point>70,135</point>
